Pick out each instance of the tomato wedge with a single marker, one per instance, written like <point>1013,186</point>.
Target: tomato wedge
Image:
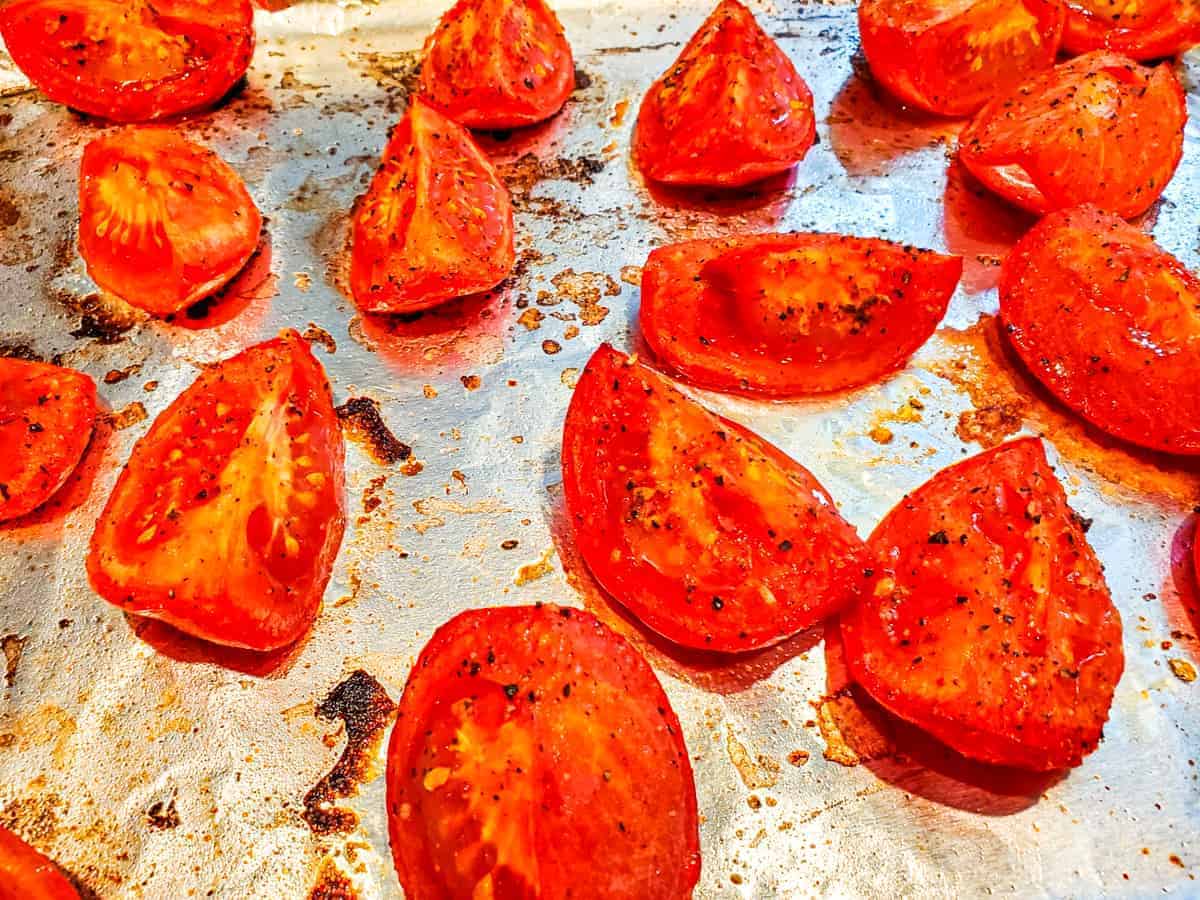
<point>47,416</point>
<point>952,56</point>
<point>131,60</point>
<point>226,520</point>
<point>731,110</point>
<point>985,619</point>
<point>536,755</point>
<point>26,874</point>
<point>163,221</point>
<point>791,314</point>
<point>708,534</point>
<point>1098,129</point>
<point>436,223</point>
<point>1110,323</point>
<point>1142,29</point>
<point>498,64</point>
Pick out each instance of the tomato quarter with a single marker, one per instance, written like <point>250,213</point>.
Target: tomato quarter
<point>131,60</point>
<point>1143,29</point>
<point>226,521</point>
<point>985,618</point>
<point>708,534</point>
<point>791,314</point>
<point>26,874</point>
<point>731,110</point>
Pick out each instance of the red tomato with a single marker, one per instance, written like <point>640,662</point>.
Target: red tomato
<point>951,56</point>
<point>708,534</point>
<point>1143,29</point>
<point>47,415</point>
<point>1098,129</point>
<point>226,520</point>
<point>163,222</point>
<point>131,60</point>
<point>535,755</point>
<point>792,314</point>
<point>985,619</point>
<point>436,223</point>
<point>498,64</point>
<point>26,874</point>
<point>731,110</point>
<point>1108,321</point>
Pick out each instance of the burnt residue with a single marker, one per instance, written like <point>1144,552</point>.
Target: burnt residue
<point>13,646</point>
<point>101,318</point>
<point>19,350</point>
<point>583,80</point>
<point>364,706</point>
<point>163,816</point>
<point>397,73</point>
<point>315,334</point>
<point>362,422</point>
<point>528,170</point>
<point>332,885</point>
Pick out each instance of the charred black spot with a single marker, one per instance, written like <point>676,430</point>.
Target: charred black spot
<point>362,422</point>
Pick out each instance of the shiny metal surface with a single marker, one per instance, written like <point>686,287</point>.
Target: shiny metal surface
<point>151,766</point>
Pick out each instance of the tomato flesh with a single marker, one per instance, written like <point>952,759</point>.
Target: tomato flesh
<point>436,222</point>
<point>791,314</point>
<point>536,755</point>
<point>731,110</point>
<point>25,874</point>
<point>1150,29</point>
<point>226,521</point>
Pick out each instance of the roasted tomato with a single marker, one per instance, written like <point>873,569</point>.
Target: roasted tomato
<point>731,110</point>
<point>1143,29</point>
<point>1110,323</point>
<point>226,521</point>
<point>163,222</point>
<point>26,874</point>
<point>984,617</point>
<point>1098,129</point>
<point>498,64</point>
<point>792,314</point>
<point>535,755</point>
<point>47,415</point>
<point>436,223</point>
<point>130,60</point>
<point>708,534</point>
<point>951,56</point>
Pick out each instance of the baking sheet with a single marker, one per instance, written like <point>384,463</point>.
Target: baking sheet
<point>151,766</point>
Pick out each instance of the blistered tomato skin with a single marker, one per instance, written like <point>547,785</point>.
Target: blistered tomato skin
<point>536,755</point>
<point>25,874</point>
<point>1143,29</point>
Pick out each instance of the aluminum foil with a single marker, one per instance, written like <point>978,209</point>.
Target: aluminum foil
<point>152,766</point>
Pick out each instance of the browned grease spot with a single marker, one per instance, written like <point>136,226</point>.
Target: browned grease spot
<point>364,706</point>
<point>619,111</point>
<point>396,73</point>
<point>363,423</point>
<point>1180,668</point>
<point>881,434</point>
<point>102,317</point>
<point>762,772</point>
<point>523,173</point>
<point>471,382</point>
<point>34,818</point>
<point>585,290</point>
<point>13,646</point>
<point>128,415</point>
<point>850,736</point>
<point>632,275</point>
<point>19,350</point>
<point>798,757</point>
<point>10,213</point>
<point>536,570</point>
<point>163,816</point>
<point>550,347</point>
<point>1175,860</point>
<point>315,334</point>
<point>332,885</point>
<point>429,391</point>
<point>531,318</point>
<point>116,376</point>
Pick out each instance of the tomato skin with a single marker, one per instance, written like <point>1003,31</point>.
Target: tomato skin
<point>25,874</point>
<point>131,61</point>
<point>1098,129</point>
<point>732,313</point>
<point>498,64</point>
<point>539,740</point>
<point>693,129</point>
<point>1166,28</point>
<point>163,221</point>
<point>709,535</point>
<point>1107,320</point>
<point>952,61</point>
<point>226,521</point>
<point>436,222</point>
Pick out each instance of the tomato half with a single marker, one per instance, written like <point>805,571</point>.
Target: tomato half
<point>47,416</point>
<point>25,874</point>
<point>1110,323</point>
<point>985,618</point>
<point>536,755</point>
<point>708,534</point>
<point>791,314</point>
<point>163,221</point>
<point>131,60</point>
<point>951,56</point>
<point>226,521</point>
<point>1142,29</point>
<point>498,64</point>
<point>1098,129</point>
<point>436,222</point>
<point>731,110</point>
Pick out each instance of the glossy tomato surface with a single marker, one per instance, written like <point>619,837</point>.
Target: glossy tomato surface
<point>535,755</point>
<point>227,518</point>
<point>705,532</point>
<point>791,314</point>
<point>163,221</point>
<point>1142,29</point>
<point>1110,323</point>
<point>498,64</point>
<point>951,56</point>
<point>985,618</point>
<point>25,874</point>
<point>1099,129</point>
<point>436,222</point>
<point>130,60</point>
<point>47,416</point>
<point>731,110</point>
